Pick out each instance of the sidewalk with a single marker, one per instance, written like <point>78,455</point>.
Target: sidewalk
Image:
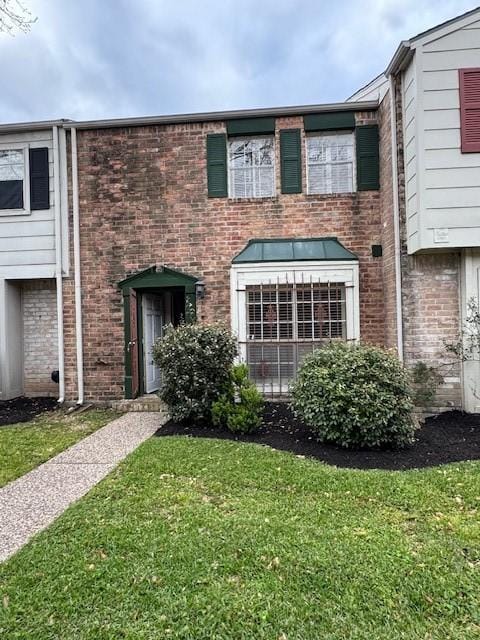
<point>31,503</point>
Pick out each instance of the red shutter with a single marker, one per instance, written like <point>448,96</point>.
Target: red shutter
<point>469,80</point>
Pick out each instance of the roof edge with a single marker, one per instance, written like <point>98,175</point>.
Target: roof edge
<point>212,116</point>
<point>400,58</point>
<point>37,125</point>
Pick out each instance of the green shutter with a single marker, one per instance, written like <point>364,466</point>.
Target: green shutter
<point>250,126</point>
<point>368,167</point>
<point>217,165</point>
<point>330,121</point>
<point>291,160</point>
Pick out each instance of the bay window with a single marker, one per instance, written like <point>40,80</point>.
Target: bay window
<point>283,311</point>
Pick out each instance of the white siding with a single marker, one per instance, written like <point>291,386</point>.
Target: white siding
<point>409,90</point>
<point>442,184</point>
<point>27,238</point>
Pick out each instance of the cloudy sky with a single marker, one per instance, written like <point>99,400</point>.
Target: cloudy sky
<point>89,59</point>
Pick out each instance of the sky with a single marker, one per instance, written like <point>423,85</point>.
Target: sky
<point>89,59</point>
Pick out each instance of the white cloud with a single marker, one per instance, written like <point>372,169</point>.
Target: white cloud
<point>95,59</point>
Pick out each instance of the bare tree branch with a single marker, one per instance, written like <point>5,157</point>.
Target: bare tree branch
<point>14,16</point>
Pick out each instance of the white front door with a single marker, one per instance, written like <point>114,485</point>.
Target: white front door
<point>152,329</point>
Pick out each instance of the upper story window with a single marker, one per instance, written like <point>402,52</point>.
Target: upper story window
<point>330,163</point>
<point>24,179</point>
<point>12,177</point>
<point>251,167</point>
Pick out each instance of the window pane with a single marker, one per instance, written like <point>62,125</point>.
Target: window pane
<point>287,321</point>
<point>11,165</point>
<point>330,163</point>
<point>251,167</point>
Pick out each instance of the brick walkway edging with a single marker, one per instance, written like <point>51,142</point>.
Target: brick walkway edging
<point>32,502</point>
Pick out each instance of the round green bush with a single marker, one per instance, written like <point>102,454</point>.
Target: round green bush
<point>355,395</point>
<point>195,361</point>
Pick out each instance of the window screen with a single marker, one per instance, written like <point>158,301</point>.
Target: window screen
<point>251,167</point>
<point>330,163</point>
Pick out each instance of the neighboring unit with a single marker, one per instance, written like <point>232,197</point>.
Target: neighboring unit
<point>33,256</point>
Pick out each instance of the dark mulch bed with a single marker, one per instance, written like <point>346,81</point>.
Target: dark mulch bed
<point>24,409</point>
<point>450,437</point>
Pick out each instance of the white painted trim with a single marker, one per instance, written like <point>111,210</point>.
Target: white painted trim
<point>58,264</point>
<point>28,272</point>
<point>77,265</point>
<point>441,31</point>
<point>64,208</point>
<point>346,271</point>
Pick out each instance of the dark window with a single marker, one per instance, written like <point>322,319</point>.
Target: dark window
<point>12,170</point>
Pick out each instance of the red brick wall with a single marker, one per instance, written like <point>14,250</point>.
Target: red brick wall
<point>143,201</point>
<point>388,223</point>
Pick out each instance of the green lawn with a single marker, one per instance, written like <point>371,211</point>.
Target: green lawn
<point>204,539</point>
<point>26,445</point>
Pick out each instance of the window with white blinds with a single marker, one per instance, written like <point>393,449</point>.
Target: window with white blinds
<point>251,167</point>
<point>287,321</point>
<point>330,163</point>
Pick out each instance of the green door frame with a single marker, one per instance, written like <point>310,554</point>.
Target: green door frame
<point>152,278</point>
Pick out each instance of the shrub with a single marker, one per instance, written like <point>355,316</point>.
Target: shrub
<point>355,396</point>
<point>240,407</point>
<point>195,360</point>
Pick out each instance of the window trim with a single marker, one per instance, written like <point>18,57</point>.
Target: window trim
<point>271,136</point>
<point>26,210</point>
<point>254,273</point>
<point>325,134</point>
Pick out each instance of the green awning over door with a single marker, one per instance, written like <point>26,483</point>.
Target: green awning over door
<point>293,249</point>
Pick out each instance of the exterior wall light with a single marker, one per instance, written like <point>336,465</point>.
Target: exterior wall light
<point>200,290</point>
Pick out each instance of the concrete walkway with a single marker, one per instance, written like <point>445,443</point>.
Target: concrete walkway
<point>35,500</point>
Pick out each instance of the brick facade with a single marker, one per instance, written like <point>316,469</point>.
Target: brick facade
<point>40,344</point>
<point>143,201</point>
<point>387,223</point>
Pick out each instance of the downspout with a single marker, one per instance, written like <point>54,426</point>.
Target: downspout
<point>58,264</point>
<point>76,267</point>
<point>396,220</point>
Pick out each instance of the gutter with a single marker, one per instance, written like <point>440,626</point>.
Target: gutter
<point>184,118</point>
<point>396,220</point>
<point>215,116</point>
<point>76,266</point>
<point>39,125</point>
<point>400,59</point>
<point>58,264</point>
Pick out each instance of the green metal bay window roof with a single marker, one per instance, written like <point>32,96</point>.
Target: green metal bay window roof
<point>292,249</point>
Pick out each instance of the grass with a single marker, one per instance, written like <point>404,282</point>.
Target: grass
<point>26,445</point>
<point>205,539</point>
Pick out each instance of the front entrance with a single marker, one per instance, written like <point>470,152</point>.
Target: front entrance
<point>151,300</point>
<point>156,314</point>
